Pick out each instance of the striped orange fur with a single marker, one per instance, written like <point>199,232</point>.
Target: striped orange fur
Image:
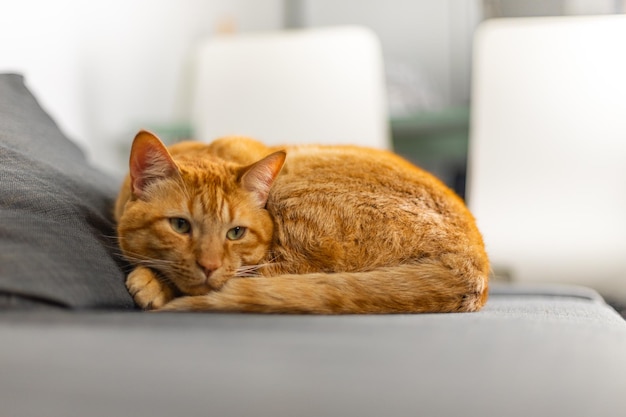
<point>238,226</point>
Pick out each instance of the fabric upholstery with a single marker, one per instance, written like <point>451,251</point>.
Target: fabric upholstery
<point>527,353</point>
<point>57,245</point>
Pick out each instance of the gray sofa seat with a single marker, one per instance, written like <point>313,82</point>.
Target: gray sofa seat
<point>553,351</point>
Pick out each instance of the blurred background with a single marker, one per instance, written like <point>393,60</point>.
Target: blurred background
<point>104,69</point>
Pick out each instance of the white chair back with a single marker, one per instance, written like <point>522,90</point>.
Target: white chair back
<point>298,86</point>
<point>547,175</point>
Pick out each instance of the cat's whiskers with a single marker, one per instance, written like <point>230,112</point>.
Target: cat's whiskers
<point>133,257</point>
<point>248,271</point>
<point>158,264</point>
<point>167,268</point>
<point>111,242</point>
<point>115,250</point>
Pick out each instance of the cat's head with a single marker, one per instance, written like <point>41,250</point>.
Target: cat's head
<point>195,219</point>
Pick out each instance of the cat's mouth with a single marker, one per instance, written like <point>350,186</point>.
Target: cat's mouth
<point>197,289</point>
<point>216,280</point>
<point>205,282</point>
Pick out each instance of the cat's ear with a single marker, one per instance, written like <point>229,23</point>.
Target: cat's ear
<point>149,161</point>
<point>259,177</point>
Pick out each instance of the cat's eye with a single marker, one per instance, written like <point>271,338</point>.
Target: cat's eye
<point>180,225</point>
<point>236,233</point>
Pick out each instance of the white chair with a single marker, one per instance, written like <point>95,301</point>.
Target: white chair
<point>297,86</point>
<point>547,169</point>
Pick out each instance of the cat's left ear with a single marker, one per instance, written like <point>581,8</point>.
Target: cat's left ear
<point>149,162</point>
<point>259,177</point>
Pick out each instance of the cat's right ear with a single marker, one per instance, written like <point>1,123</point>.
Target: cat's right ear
<point>259,177</point>
<point>149,161</point>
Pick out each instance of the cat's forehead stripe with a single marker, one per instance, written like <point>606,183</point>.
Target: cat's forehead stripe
<point>225,211</point>
<point>197,207</point>
<point>211,203</point>
<point>217,204</point>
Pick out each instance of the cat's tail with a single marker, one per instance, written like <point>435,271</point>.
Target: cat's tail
<point>411,288</point>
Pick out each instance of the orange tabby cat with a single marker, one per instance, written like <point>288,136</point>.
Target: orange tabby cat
<point>236,226</point>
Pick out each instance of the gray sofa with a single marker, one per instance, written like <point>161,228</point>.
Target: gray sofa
<point>73,344</point>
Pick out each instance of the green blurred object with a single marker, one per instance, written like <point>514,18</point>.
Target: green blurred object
<point>171,133</point>
<point>437,141</point>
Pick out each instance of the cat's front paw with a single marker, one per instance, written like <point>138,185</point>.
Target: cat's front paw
<point>147,290</point>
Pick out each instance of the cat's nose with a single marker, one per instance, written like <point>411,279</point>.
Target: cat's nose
<point>209,267</point>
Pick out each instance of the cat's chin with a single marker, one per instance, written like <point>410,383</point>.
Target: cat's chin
<point>199,289</point>
<point>213,283</point>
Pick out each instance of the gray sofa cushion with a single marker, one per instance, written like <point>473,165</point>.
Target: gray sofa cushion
<point>531,351</point>
<point>56,234</point>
